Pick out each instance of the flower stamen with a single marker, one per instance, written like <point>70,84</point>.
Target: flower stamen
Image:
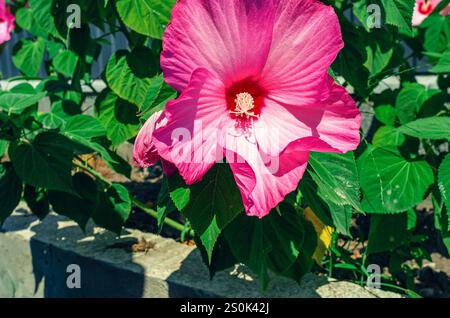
<point>425,7</point>
<point>244,106</point>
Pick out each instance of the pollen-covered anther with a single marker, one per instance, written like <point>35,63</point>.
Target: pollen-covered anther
<point>244,106</point>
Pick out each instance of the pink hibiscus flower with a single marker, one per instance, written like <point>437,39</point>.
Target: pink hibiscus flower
<point>255,89</point>
<point>424,8</point>
<point>6,22</point>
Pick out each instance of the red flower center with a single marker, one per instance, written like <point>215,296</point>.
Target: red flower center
<point>245,99</point>
<point>425,7</point>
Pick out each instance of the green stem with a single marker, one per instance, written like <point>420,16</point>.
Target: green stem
<point>403,290</point>
<point>173,224</point>
<point>108,34</point>
<point>169,222</point>
<point>86,167</point>
<point>91,86</point>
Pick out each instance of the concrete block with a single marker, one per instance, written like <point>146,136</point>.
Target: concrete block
<point>35,257</point>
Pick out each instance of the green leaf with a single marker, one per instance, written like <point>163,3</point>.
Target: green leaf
<point>444,182</point>
<point>53,49</point>
<point>118,116</point>
<point>350,61</point>
<point>308,189</point>
<point>411,99</point>
<point>337,178</point>
<point>399,13</point>
<point>305,260</point>
<point>388,136</point>
<point>360,11</point>
<point>28,55</point>
<point>23,88</point>
<point>50,120</point>
<point>342,218</point>
<point>437,32</point>
<point>390,183</point>
<point>271,242</point>
<point>208,205</point>
<point>379,52</point>
<point>387,232</point>
<point>147,17</point>
<point>81,129</point>
<point>10,191</point>
<point>84,126</point>
<point>412,220</point>
<point>165,205</point>
<point>385,114</point>
<point>329,213</point>
<point>26,20</point>
<point>113,208</point>
<point>37,201</point>
<point>117,163</point>
<point>16,103</point>
<point>79,207</point>
<point>222,257</point>
<point>443,65</point>
<point>134,76</point>
<point>88,146</point>
<point>163,94</point>
<point>45,162</point>
<point>442,218</point>
<point>42,14</point>
<point>3,147</point>
<point>428,128</point>
<point>65,63</point>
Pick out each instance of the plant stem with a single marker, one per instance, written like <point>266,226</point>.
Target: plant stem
<point>173,224</point>
<point>86,167</point>
<point>169,222</point>
<point>407,292</point>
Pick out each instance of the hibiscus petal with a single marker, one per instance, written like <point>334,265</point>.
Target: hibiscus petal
<point>229,38</point>
<point>263,180</point>
<point>145,153</point>
<point>331,125</point>
<point>7,22</point>
<point>189,140</point>
<point>261,188</point>
<point>306,40</point>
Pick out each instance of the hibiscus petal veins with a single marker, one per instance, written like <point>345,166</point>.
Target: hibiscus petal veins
<point>254,90</point>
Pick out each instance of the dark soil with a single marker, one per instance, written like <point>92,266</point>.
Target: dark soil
<point>432,279</point>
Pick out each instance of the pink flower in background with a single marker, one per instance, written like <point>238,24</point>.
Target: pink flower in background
<point>255,89</point>
<point>424,8</point>
<point>6,22</point>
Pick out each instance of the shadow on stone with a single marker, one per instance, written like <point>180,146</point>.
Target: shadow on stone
<point>56,244</point>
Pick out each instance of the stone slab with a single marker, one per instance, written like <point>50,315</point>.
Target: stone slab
<point>35,257</point>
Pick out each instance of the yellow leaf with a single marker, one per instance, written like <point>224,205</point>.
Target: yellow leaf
<point>324,234</point>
